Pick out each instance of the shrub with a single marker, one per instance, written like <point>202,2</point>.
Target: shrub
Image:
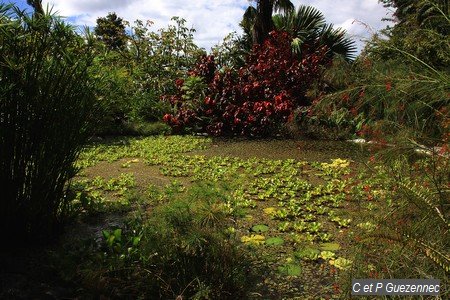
<point>256,99</point>
<point>115,93</point>
<point>148,107</point>
<point>399,83</point>
<point>146,129</point>
<point>45,108</point>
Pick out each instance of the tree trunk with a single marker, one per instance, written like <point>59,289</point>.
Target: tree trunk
<point>263,23</point>
<point>37,5</point>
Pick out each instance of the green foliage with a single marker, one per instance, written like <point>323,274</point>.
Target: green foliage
<point>290,270</point>
<point>187,232</point>
<point>125,108</point>
<point>162,56</point>
<point>380,99</point>
<point>114,93</point>
<point>260,228</point>
<point>423,31</point>
<point>428,45</point>
<point>147,107</point>
<point>307,254</point>
<point>193,90</point>
<point>111,31</point>
<point>231,52</point>
<point>146,128</point>
<point>330,247</point>
<point>136,76</point>
<point>274,241</point>
<point>47,102</point>
<point>155,150</point>
<point>399,85</point>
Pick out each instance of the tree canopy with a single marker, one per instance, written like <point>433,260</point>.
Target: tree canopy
<point>111,31</point>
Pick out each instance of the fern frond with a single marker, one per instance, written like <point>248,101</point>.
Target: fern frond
<point>440,258</point>
<point>425,198</point>
<point>436,255</point>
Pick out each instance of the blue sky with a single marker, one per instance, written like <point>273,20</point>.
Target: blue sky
<point>213,20</point>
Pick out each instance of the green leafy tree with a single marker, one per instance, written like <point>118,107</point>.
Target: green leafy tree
<point>422,29</point>
<point>403,8</point>
<point>420,11</point>
<point>400,83</point>
<point>163,56</point>
<point>136,78</point>
<point>111,31</point>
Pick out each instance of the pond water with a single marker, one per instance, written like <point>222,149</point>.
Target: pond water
<point>309,150</point>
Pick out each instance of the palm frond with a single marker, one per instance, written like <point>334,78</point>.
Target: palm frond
<point>283,6</point>
<point>248,19</point>
<point>337,41</point>
<point>308,18</point>
<point>308,26</point>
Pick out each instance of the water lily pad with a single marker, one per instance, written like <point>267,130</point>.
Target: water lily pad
<point>254,239</point>
<point>260,228</point>
<point>327,255</point>
<point>341,263</point>
<point>274,241</point>
<point>248,217</point>
<point>307,254</point>
<point>330,247</point>
<point>269,210</point>
<point>290,270</point>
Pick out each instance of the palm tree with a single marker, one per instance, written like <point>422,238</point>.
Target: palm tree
<point>308,27</point>
<point>37,5</point>
<point>258,21</point>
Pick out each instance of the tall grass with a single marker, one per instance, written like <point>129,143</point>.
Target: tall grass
<point>404,100</point>
<point>393,88</point>
<point>409,216</point>
<point>392,97</point>
<point>45,106</point>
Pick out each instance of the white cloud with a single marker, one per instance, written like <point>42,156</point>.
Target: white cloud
<point>213,20</point>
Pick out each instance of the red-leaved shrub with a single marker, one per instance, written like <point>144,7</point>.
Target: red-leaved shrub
<point>254,100</point>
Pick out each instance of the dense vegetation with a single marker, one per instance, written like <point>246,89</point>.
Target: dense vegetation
<point>175,217</point>
<point>44,80</point>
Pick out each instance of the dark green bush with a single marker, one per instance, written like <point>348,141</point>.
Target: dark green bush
<point>146,129</point>
<point>148,107</point>
<point>46,102</point>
